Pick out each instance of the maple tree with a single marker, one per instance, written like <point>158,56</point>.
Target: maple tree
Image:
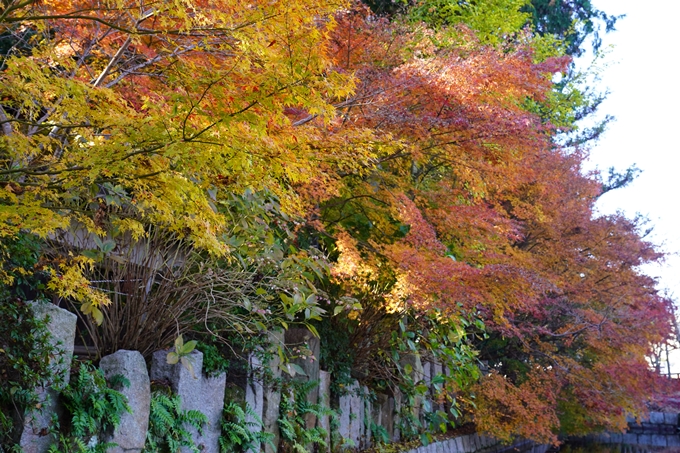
<point>422,154</point>
<point>119,115</point>
<point>472,207</point>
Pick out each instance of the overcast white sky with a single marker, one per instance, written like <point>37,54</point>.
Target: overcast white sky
<point>645,98</point>
<point>642,77</point>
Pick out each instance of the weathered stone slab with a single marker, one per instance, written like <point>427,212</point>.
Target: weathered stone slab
<point>659,440</point>
<point>197,392</point>
<point>466,444</point>
<point>344,418</point>
<point>378,409</point>
<point>356,409</point>
<point>324,422</point>
<point>131,433</point>
<point>427,372</point>
<point>656,418</point>
<point>414,363</point>
<point>272,397</point>
<point>366,438</point>
<point>670,418</point>
<point>303,338</point>
<point>615,438</point>
<point>630,438</point>
<point>397,401</point>
<point>673,441</point>
<point>476,443</point>
<point>460,446</point>
<point>644,439</point>
<point>254,395</point>
<point>35,436</point>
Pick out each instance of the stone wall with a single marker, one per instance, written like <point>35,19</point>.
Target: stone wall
<point>359,412</point>
<point>475,443</point>
<point>658,429</point>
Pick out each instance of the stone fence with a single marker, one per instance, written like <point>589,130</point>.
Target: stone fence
<point>359,415</point>
<point>475,443</point>
<point>659,429</point>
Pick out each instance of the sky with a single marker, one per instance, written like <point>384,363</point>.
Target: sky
<point>645,99</point>
<point>642,77</point>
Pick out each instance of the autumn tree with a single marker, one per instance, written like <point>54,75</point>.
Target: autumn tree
<point>122,115</point>
<point>471,207</point>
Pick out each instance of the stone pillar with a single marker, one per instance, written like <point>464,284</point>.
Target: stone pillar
<point>397,401</point>
<point>254,395</point>
<point>131,433</point>
<point>417,375</point>
<point>197,392</point>
<point>325,399</point>
<point>271,397</point>
<point>34,437</point>
<point>344,420</point>
<point>354,409</point>
<point>367,409</point>
<point>296,338</point>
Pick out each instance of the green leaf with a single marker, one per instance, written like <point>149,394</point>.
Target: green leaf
<point>313,330</point>
<point>108,246</point>
<point>188,347</point>
<point>172,358</point>
<point>179,343</point>
<point>188,365</point>
<point>92,254</point>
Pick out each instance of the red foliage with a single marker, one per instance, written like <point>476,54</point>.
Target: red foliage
<point>500,222</point>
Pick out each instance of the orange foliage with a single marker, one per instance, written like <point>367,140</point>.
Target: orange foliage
<point>473,208</point>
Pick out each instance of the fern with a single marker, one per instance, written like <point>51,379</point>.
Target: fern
<point>168,424</point>
<point>242,430</point>
<point>294,408</point>
<point>93,408</point>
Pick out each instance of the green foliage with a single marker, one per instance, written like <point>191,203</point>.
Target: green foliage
<point>242,430</point>
<point>168,424</point>
<point>493,20</point>
<point>93,408</point>
<point>214,362</point>
<point>293,410</point>
<point>337,354</point>
<point>573,21</point>
<point>25,354</point>
<point>379,434</point>
<point>25,343</point>
<point>181,353</point>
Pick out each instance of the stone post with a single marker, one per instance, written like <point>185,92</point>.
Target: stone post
<point>325,399</point>
<point>271,397</point>
<point>310,365</point>
<point>254,396</point>
<point>131,433</point>
<point>197,392</point>
<point>35,436</point>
